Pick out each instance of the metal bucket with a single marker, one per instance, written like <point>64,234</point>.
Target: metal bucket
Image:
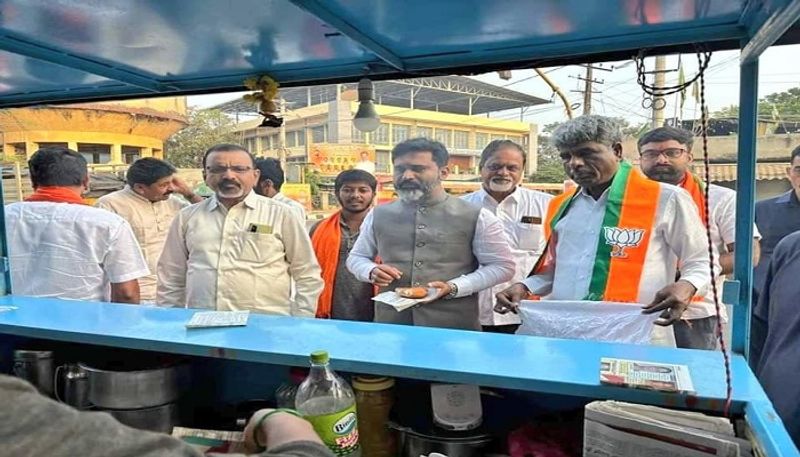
<point>157,419</point>
<point>136,389</point>
<point>35,367</point>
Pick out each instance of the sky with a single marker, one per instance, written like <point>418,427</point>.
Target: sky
<point>620,95</point>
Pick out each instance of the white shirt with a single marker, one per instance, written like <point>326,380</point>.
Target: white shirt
<point>150,222</point>
<point>525,238</point>
<point>722,221</point>
<point>296,206</point>
<point>213,259</point>
<point>73,251</point>
<point>678,235</point>
<point>489,246</point>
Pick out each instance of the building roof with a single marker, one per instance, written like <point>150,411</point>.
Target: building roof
<point>721,172</point>
<point>451,94</point>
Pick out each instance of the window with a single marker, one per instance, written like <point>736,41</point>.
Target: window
<point>130,154</point>
<point>383,160</point>
<point>358,136</point>
<point>399,133</point>
<point>381,135</point>
<point>291,139</point>
<point>301,137</point>
<point>481,140</point>
<point>461,139</point>
<point>498,137</point>
<point>443,136</point>
<point>318,134</point>
<point>425,132</point>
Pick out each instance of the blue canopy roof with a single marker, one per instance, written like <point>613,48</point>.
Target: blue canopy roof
<point>72,50</point>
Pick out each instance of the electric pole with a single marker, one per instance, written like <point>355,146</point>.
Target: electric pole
<point>659,103</point>
<point>282,135</point>
<point>588,90</point>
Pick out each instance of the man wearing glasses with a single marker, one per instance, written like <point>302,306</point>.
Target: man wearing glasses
<point>666,155</point>
<point>238,250</point>
<point>522,213</point>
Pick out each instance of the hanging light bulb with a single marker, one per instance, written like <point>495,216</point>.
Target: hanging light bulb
<point>366,119</point>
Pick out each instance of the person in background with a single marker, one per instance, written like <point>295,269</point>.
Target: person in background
<point>62,248</point>
<point>777,217</point>
<point>365,163</point>
<point>666,156</point>
<point>32,424</point>
<point>521,211</point>
<point>238,250</point>
<point>270,183</point>
<point>619,236</point>
<point>344,296</point>
<point>148,203</point>
<point>776,313</point>
<point>429,239</point>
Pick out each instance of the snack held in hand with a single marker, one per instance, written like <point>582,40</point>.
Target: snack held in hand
<point>411,292</point>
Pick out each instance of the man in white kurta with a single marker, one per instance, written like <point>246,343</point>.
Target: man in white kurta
<point>148,203</point>
<point>238,250</point>
<point>521,211</point>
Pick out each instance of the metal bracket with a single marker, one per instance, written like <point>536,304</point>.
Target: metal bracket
<point>730,292</point>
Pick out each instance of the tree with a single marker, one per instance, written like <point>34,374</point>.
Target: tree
<point>779,105</point>
<point>205,128</point>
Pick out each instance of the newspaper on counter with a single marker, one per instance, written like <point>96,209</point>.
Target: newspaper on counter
<point>646,375</point>
<point>629,430</point>
<point>401,303</point>
<point>206,319</point>
<point>207,441</point>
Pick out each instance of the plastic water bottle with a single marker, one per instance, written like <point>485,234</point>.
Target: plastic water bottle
<point>328,402</point>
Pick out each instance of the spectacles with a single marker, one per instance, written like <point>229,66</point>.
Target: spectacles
<point>672,153</point>
<point>239,170</point>
<point>498,166</point>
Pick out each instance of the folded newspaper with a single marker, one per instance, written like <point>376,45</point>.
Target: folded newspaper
<point>620,429</point>
<point>646,375</point>
<point>401,303</point>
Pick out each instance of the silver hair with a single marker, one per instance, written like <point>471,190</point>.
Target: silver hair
<point>583,129</point>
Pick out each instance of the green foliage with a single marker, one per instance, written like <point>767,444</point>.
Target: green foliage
<point>779,105</point>
<point>206,128</point>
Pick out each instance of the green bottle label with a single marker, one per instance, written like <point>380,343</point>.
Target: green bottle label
<point>339,431</point>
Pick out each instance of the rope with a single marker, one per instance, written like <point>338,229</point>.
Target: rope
<point>711,262</point>
<point>703,59</point>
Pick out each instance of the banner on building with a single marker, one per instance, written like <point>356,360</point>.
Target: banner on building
<point>332,159</point>
<point>301,193</point>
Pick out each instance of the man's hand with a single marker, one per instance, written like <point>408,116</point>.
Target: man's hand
<point>672,301</point>
<point>182,188</point>
<point>383,275</point>
<point>443,288</point>
<point>508,300</point>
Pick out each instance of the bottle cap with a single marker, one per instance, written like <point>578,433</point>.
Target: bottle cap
<point>319,357</point>
<point>372,383</point>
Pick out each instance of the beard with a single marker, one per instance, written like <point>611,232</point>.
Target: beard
<point>667,174</point>
<point>228,189</point>
<point>413,192</point>
<point>501,186</point>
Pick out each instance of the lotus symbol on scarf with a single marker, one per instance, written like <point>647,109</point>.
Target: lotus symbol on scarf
<point>621,238</point>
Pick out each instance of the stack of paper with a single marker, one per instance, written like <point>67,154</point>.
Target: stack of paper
<point>646,375</point>
<point>630,430</point>
<point>400,303</point>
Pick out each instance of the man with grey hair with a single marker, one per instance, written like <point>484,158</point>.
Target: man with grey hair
<point>520,210</point>
<point>619,236</point>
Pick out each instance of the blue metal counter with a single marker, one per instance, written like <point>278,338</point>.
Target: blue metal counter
<point>554,366</point>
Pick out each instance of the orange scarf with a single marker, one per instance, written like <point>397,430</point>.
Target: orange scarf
<point>696,189</point>
<point>326,240</point>
<point>55,194</point>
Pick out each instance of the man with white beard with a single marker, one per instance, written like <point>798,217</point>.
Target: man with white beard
<point>431,240</point>
<point>520,210</point>
<point>238,250</point>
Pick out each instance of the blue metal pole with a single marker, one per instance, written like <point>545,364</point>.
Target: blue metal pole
<point>5,278</point>
<point>745,202</point>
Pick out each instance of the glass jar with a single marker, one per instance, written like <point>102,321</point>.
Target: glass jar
<point>374,401</point>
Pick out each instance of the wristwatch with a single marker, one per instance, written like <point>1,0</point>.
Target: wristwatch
<point>453,290</point>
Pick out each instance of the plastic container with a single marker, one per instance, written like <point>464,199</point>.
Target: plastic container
<point>286,393</point>
<point>374,401</point>
<point>328,402</point>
